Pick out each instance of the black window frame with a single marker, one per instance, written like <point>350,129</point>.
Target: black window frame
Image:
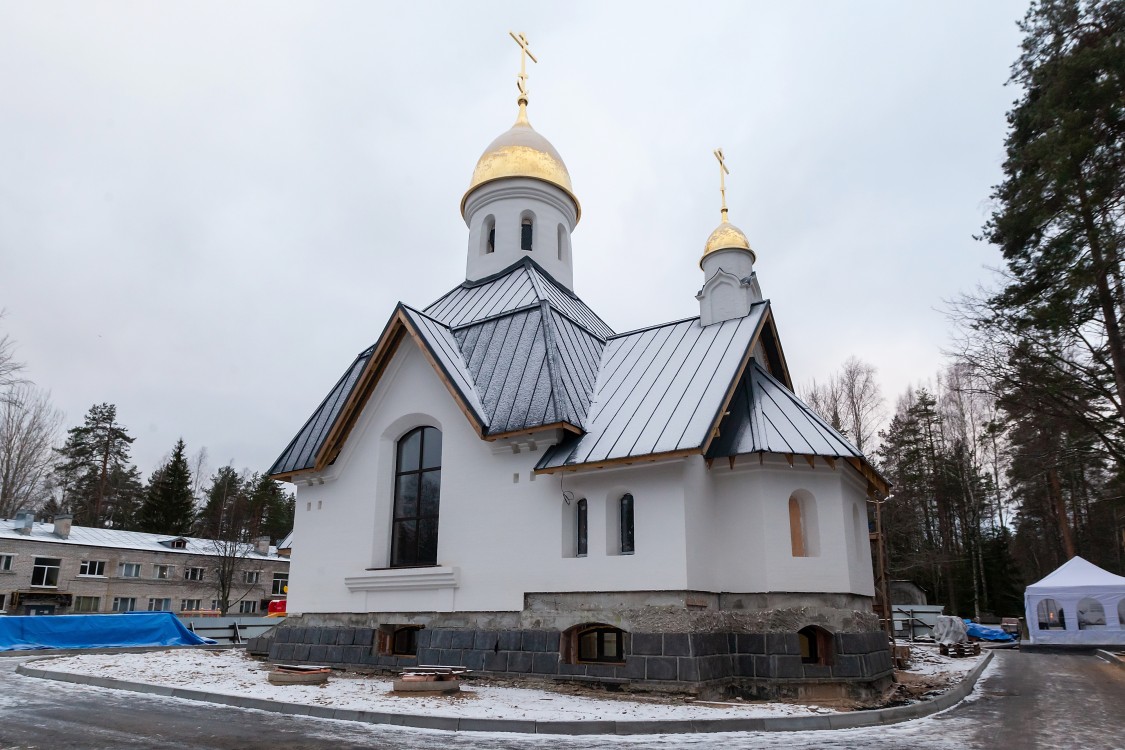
<point>419,556</point>
<point>628,539</point>
<point>527,234</point>
<point>599,634</point>
<point>581,528</point>
<point>41,570</point>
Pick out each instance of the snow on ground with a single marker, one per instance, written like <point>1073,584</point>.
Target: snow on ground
<point>232,672</point>
<point>925,659</point>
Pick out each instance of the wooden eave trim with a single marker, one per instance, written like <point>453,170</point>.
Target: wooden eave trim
<point>869,473</point>
<point>724,406</point>
<point>533,430</point>
<point>444,377</point>
<point>648,458</point>
<point>784,375</point>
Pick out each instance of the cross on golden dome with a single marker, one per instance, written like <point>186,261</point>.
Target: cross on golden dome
<point>525,52</point>
<point>726,236</point>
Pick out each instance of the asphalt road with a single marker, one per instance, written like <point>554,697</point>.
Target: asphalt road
<point>1024,701</point>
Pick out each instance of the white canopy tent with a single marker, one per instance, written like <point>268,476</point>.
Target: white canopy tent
<point>1078,604</point>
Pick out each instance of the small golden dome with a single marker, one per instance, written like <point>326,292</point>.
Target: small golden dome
<point>726,237</point>
<point>521,152</point>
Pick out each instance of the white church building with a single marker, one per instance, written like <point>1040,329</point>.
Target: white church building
<point>503,482</point>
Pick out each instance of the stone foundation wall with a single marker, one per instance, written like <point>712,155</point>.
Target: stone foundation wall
<point>753,664</point>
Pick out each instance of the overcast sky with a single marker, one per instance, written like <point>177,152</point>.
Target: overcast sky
<point>208,208</point>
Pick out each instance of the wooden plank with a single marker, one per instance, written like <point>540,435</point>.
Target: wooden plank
<point>789,458</point>
<point>811,461</point>
<point>534,431</point>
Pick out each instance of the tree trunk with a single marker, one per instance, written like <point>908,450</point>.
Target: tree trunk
<point>1054,488</point>
<point>1105,300</point>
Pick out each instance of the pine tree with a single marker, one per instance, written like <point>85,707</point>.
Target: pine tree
<point>225,510</point>
<point>169,507</point>
<point>94,456</point>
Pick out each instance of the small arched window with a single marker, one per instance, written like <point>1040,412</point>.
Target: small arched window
<point>593,644</point>
<point>562,242</point>
<point>1091,614</point>
<point>804,537</point>
<point>414,529</point>
<point>581,528</point>
<point>488,233</point>
<point>816,645</point>
<point>527,232</point>
<point>628,543</point>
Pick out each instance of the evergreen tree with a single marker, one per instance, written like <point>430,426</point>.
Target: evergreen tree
<point>225,509</point>
<point>94,457</point>
<point>169,507</point>
<point>272,509</point>
<point>1061,206</point>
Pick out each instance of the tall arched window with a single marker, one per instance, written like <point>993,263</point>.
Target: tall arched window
<point>628,541</point>
<point>414,532</point>
<point>488,234</point>
<point>804,533</point>
<point>562,242</point>
<point>581,528</point>
<point>527,232</point>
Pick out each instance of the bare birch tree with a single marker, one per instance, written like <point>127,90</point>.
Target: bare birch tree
<point>29,429</point>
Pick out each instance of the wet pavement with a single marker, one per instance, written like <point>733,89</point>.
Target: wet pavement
<point>1025,701</point>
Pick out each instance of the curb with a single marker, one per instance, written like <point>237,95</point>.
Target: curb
<point>1109,656</point>
<point>850,720</point>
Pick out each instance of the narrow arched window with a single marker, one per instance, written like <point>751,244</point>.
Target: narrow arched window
<point>796,528</point>
<point>488,234</point>
<point>562,242</point>
<point>414,532</point>
<point>627,538</point>
<point>527,230</point>
<point>581,528</point>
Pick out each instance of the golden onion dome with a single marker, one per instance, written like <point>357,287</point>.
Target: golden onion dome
<point>521,152</point>
<point>726,237</point>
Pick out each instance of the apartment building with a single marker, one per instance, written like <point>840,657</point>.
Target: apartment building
<point>59,568</point>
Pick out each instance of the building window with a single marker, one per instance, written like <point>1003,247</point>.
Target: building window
<point>178,544</point>
<point>527,232</point>
<point>581,528</point>
<point>626,514</point>
<point>2,601</point>
<point>46,572</point>
<point>803,528</point>
<point>598,643</point>
<point>816,645</point>
<point>87,603</point>
<point>124,604</point>
<point>414,533</point>
<point>247,607</point>
<point>129,570</point>
<point>193,574</point>
<point>251,576</point>
<point>159,605</point>
<point>6,563</point>
<point>404,641</point>
<point>92,568</point>
<point>191,605</point>
<point>280,583</point>
<point>562,242</point>
<point>488,232</point>
<point>163,572</point>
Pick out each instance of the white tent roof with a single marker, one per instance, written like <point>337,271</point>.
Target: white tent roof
<point>1079,575</point>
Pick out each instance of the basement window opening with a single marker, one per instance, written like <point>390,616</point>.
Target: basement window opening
<point>816,646</point>
<point>594,644</point>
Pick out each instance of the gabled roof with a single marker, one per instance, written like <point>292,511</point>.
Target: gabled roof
<point>517,351</point>
<point>766,417</point>
<point>661,390</point>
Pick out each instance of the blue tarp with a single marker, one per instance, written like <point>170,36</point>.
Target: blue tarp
<point>986,633</point>
<point>96,631</point>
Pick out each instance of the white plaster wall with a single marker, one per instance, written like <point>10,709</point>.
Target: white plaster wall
<point>752,529</point>
<point>502,535</point>
<point>506,201</point>
<point>505,532</point>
